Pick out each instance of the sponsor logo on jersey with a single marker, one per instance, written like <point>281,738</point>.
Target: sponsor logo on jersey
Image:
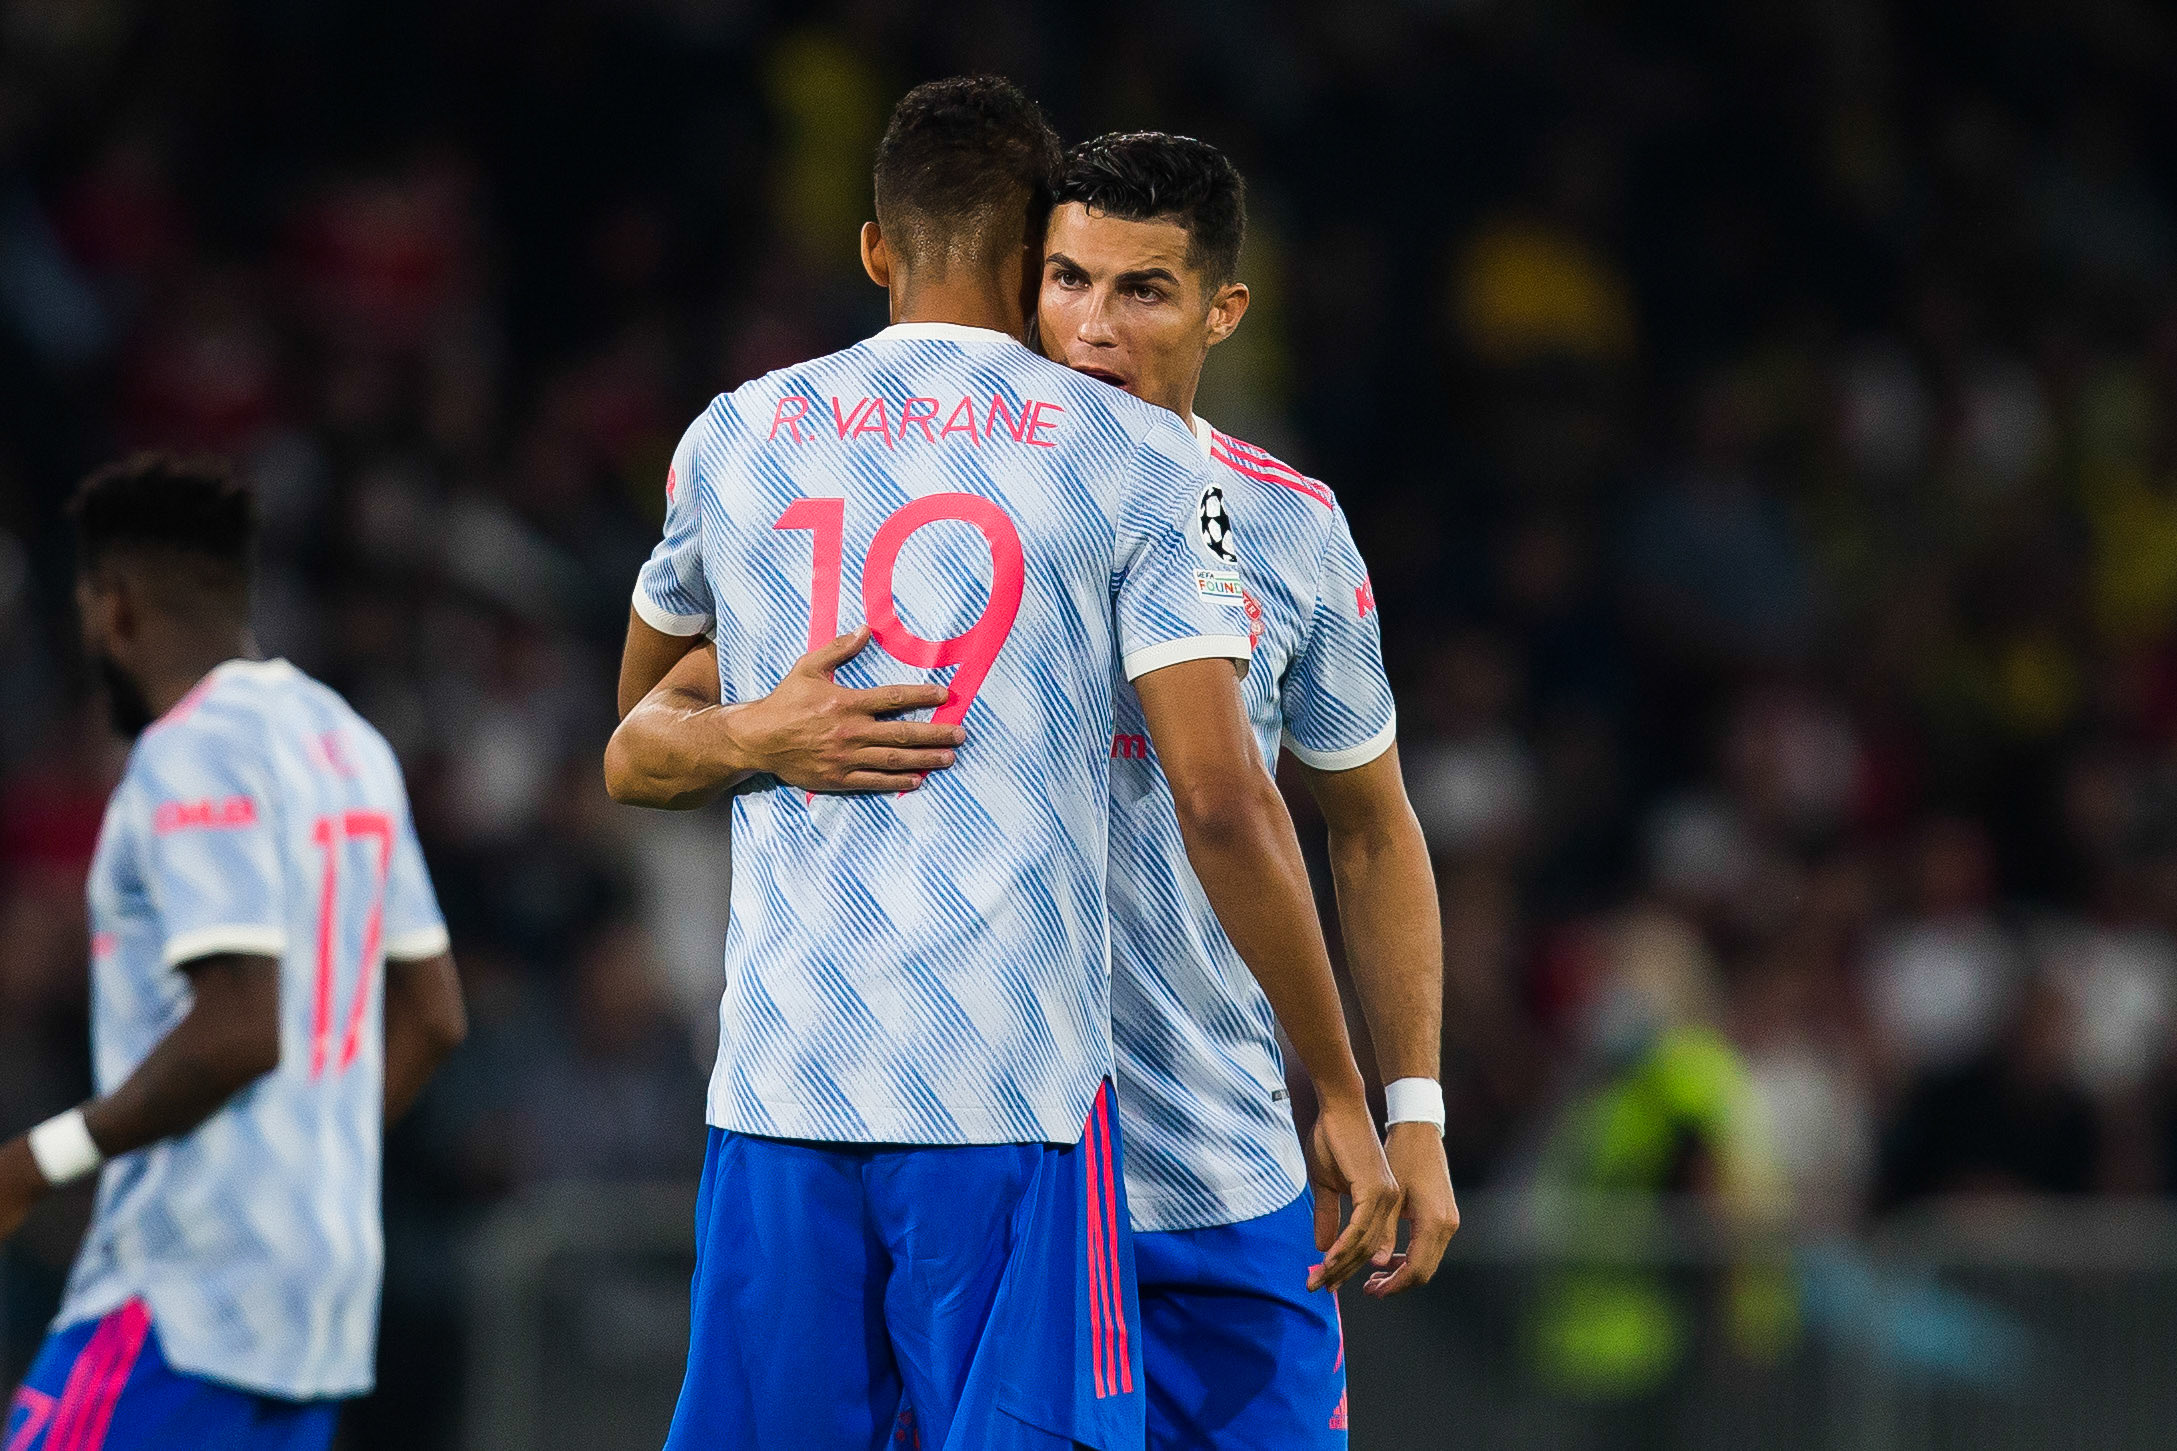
<point>1364,597</point>
<point>1125,747</point>
<point>205,815</point>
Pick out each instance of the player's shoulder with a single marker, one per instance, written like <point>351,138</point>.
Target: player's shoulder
<point>337,738</point>
<point>226,721</point>
<point>818,372</point>
<point>1258,465</point>
<point>1146,423</point>
<point>238,711</point>
<point>750,405</point>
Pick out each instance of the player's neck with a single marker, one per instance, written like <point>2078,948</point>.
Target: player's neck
<point>1183,402</point>
<point>984,302</point>
<point>1179,398</point>
<point>185,663</point>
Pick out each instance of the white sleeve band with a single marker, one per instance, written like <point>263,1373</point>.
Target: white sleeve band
<point>664,621</point>
<point>250,941</point>
<point>1414,1101</point>
<point>63,1150</point>
<point>1179,652</point>
<point>415,946</point>
<point>1349,758</point>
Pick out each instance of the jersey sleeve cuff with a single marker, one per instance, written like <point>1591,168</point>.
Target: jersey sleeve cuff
<point>1177,652</point>
<point>419,944</point>
<point>1351,756</point>
<point>664,621</point>
<point>234,937</point>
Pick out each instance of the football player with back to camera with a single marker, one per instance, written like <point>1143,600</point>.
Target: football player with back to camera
<point>270,985</point>
<point>1242,1344</point>
<point>915,1190</point>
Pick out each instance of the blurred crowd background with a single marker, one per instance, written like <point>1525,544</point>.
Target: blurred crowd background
<point>1761,419</point>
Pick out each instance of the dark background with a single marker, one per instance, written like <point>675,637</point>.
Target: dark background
<point>1758,417</point>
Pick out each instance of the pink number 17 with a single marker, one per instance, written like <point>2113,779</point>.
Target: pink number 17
<point>974,650</point>
<point>331,834</point>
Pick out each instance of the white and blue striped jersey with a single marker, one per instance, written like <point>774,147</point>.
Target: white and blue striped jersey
<point>261,815</point>
<point>1209,1129</point>
<point>933,967</point>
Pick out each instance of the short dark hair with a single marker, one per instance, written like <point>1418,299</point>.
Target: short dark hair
<point>193,508</point>
<point>1145,176</point>
<point>964,170</point>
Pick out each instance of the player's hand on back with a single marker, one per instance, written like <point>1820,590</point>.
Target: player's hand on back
<point>819,735</point>
<point>1416,1155</point>
<point>1345,1159</point>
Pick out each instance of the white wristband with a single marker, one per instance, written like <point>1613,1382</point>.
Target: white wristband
<point>1414,1101</point>
<point>63,1149</point>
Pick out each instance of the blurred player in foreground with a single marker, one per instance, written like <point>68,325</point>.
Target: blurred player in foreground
<point>914,1185</point>
<point>1139,282</point>
<point>270,984</point>
<point>1239,1347</point>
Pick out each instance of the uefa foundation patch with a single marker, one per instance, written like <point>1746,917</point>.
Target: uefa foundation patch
<point>1220,584</point>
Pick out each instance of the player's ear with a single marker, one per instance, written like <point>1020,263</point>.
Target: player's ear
<point>876,256</point>
<point>99,603</point>
<point>1225,311</point>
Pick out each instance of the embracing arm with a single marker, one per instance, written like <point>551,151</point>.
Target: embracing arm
<point>1241,844</point>
<point>646,657</point>
<point>670,750</point>
<point>229,1038</point>
<point>680,748</point>
<point>1393,934</point>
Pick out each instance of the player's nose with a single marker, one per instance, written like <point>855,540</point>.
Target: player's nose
<point>1095,326</point>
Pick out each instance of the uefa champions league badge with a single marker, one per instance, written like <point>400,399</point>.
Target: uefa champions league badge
<point>1215,525</point>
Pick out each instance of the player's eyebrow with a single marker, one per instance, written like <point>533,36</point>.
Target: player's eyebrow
<point>1060,259</point>
<point>1149,274</point>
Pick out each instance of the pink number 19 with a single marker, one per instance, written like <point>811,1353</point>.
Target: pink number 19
<point>976,649</point>
<point>331,834</point>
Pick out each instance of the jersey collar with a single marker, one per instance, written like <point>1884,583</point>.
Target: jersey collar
<point>951,332</point>
<point>276,669</point>
<point>1203,433</point>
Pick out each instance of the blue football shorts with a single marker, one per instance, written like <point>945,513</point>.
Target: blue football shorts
<point>1239,1352</point>
<point>104,1385</point>
<point>854,1297</point>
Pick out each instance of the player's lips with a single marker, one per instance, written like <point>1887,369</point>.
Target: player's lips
<point>1101,375</point>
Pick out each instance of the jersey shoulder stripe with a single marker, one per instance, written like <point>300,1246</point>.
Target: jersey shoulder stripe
<point>1244,458</point>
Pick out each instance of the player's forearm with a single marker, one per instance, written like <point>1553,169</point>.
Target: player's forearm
<point>646,657</point>
<point>1241,844</point>
<point>229,1038</point>
<point>1393,934</point>
<point>674,752</point>
<point>425,1022</point>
